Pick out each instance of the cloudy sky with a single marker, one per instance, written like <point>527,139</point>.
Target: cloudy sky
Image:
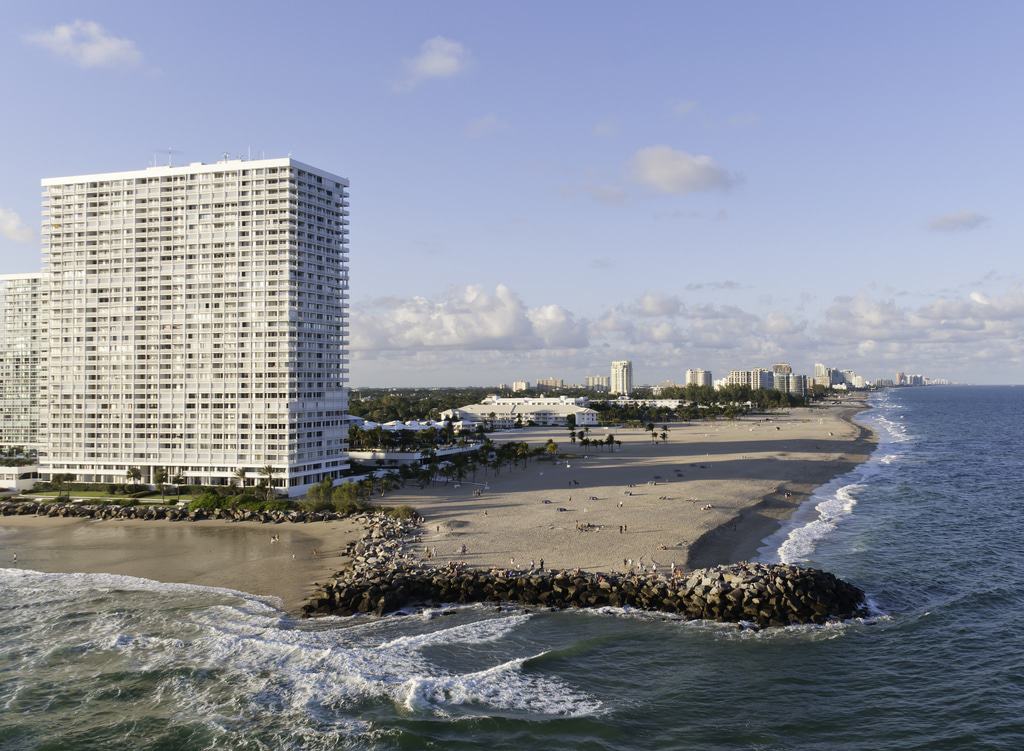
<point>540,188</point>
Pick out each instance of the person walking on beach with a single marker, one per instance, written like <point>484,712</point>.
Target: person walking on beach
<point>541,564</point>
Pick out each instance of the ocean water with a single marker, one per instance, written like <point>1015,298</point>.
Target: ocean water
<point>931,528</point>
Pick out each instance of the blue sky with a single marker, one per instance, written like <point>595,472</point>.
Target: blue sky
<point>540,188</point>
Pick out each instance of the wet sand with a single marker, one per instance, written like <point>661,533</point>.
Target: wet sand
<point>235,555</point>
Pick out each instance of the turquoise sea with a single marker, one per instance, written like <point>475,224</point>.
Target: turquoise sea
<point>932,527</point>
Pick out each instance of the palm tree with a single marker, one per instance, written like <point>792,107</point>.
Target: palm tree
<point>177,481</point>
<point>267,473</point>
<point>238,474</point>
<point>664,436</point>
<point>160,479</point>
<point>60,481</point>
<point>133,475</point>
<point>551,447</point>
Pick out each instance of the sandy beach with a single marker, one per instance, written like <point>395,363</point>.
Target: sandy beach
<point>235,555</point>
<point>708,495</point>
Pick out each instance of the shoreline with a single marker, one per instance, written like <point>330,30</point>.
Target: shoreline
<point>708,496</point>
<point>743,467</point>
<point>211,552</point>
<point>743,537</point>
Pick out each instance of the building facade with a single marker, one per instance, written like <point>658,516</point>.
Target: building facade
<point>621,381</point>
<point>511,412</point>
<point>518,386</point>
<point>197,322</point>
<point>699,377</point>
<point>22,359</point>
<point>550,383</point>
<point>597,382</point>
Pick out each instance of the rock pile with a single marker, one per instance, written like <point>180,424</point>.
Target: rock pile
<point>383,579</point>
<point>154,512</point>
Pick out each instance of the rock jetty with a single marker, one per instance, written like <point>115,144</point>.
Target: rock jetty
<point>167,513</point>
<point>383,578</point>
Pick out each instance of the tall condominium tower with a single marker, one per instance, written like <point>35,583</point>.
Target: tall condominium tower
<point>197,322</point>
<point>22,360</point>
<point>699,377</point>
<point>621,377</point>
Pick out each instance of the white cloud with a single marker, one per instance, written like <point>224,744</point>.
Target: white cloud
<point>683,108</point>
<point>475,334</point>
<point>13,228</point>
<point>658,305</point>
<point>668,170</point>
<point>485,125</point>
<point>439,57</point>
<point>88,45</point>
<point>468,318</point>
<point>958,221</point>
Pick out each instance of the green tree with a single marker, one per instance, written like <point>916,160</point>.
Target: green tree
<point>239,475</point>
<point>61,480</point>
<point>551,448</point>
<point>160,479</point>
<point>267,473</point>
<point>134,475</point>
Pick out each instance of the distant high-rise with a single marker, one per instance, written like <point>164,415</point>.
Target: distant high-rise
<point>197,323</point>
<point>22,358</point>
<point>782,367</point>
<point>518,386</point>
<point>551,383</point>
<point>597,382</point>
<point>621,377</point>
<point>738,378</point>
<point>762,378</point>
<point>698,377</point>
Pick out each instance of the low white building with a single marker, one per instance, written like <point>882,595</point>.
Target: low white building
<point>18,478</point>
<point>510,412</point>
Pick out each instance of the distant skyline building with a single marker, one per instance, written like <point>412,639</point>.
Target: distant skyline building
<point>738,378</point>
<point>550,383</point>
<point>198,323</point>
<point>762,378</point>
<point>782,367</point>
<point>698,377</point>
<point>597,382</point>
<point>621,381</point>
<point>518,386</point>
<point>22,358</point>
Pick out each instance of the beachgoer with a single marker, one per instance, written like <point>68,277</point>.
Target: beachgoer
<point>541,564</point>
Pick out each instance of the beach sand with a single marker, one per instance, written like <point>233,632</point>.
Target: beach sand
<point>743,469</point>
<point>235,555</point>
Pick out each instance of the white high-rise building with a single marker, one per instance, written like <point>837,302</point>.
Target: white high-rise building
<point>22,358</point>
<point>197,322</point>
<point>597,382</point>
<point>762,378</point>
<point>699,377</point>
<point>621,377</point>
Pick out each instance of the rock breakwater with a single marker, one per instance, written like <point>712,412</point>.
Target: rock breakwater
<point>167,513</point>
<point>384,579</point>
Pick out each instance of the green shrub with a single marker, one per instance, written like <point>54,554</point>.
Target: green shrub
<point>402,512</point>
